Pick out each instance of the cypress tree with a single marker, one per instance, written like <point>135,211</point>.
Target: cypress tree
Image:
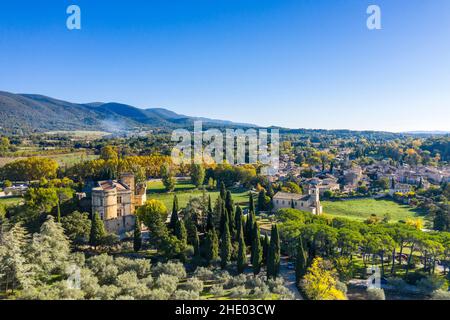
<point>273,257</point>
<point>209,222</point>
<point>225,247</point>
<point>238,218</point>
<point>180,231</point>
<point>229,206</point>
<point>211,246</point>
<point>137,237</point>
<point>58,217</point>
<point>300,262</point>
<point>223,190</point>
<point>270,191</point>
<point>196,246</point>
<point>262,201</point>
<point>174,217</point>
<point>256,250</point>
<point>292,204</point>
<point>242,252</point>
<point>224,219</point>
<point>251,204</point>
<point>98,232</point>
<point>249,228</point>
<point>209,204</point>
<point>265,248</point>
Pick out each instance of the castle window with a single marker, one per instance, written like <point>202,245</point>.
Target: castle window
<point>101,202</point>
<point>119,212</point>
<point>119,199</point>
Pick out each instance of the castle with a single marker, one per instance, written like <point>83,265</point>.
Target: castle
<point>309,202</point>
<point>116,202</point>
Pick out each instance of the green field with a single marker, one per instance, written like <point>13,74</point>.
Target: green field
<point>361,209</point>
<point>65,159</point>
<point>71,159</point>
<point>185,191</point>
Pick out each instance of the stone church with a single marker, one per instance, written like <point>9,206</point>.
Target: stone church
<point>309,202</point>
<point>116,202</point>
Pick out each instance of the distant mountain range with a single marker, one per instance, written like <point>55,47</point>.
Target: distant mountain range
<point>37,113</point>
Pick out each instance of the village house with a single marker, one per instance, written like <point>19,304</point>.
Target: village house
<point>353,176</point>
<point>309,202</point>
<point>116,202</point>
<point>329,183</point>
<point>399,188</point>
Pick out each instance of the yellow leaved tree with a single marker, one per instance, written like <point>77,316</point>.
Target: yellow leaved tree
<point>320,282</point>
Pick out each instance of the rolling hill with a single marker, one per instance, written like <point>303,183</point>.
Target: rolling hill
<point>38,113</point>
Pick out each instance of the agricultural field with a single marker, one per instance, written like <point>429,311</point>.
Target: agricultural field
<point>185,190</point>
<point>66,159</point>
<point>361,209</point>
<point>81,134</point>
<point>71,159</point>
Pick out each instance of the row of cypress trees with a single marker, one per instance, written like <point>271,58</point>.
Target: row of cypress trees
<point>228,234</point>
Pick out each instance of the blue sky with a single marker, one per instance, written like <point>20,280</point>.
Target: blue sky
<point>293,63</point>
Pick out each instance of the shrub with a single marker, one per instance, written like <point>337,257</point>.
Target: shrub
<point>204,273</point>
<point>167,283</point>
<point>217,290</point>
<point>239,280</point>
<point>109,292</point>
<point>255,281</point>
<point>375,294</point>
<point>158,294</point>
<point>194,284</point>
<point>398,284</point>
<point>430,284</point>
<point>103,268</point>
<point>131,286</point>
<point>186,295</point>
<point>175,269</point>
<point>414,277</point>
<point>440,295</point>
<point>274,283</point>
<point>261,292</point>
<point>341,286</point>
<point>140,266</point>
<point>239,292</point>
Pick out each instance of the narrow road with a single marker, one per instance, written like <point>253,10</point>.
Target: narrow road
<point>289,277</point>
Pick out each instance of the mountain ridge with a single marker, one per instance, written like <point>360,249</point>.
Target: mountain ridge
<point>40,113</point>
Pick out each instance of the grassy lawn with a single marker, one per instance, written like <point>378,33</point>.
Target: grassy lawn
<point>361,209</point>
<point>185,190</point>
<point>71,159</point>
<point>10,201</point>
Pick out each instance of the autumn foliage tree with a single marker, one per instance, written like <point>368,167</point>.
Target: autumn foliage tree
<point>320,282</point>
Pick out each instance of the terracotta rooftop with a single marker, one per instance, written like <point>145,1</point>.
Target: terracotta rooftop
<point>111,184</point>
<point>290,196</point>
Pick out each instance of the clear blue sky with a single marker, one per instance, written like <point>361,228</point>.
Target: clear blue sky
<point>293,63</point>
